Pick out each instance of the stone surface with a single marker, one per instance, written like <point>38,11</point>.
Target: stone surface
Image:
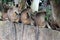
<point>17,31</point>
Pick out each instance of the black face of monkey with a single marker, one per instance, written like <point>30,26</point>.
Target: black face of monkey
<point>29,2</point>
<point>16,5</point>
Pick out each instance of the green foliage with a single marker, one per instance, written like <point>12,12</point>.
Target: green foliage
<point>22,4</point>
<point>48,12</point>
<point>6,1</point>
<point>57,1</point>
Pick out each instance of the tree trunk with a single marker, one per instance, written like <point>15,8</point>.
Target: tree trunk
<point>55,11</point>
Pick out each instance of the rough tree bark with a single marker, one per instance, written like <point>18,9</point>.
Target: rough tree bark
<point>56,11</point>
